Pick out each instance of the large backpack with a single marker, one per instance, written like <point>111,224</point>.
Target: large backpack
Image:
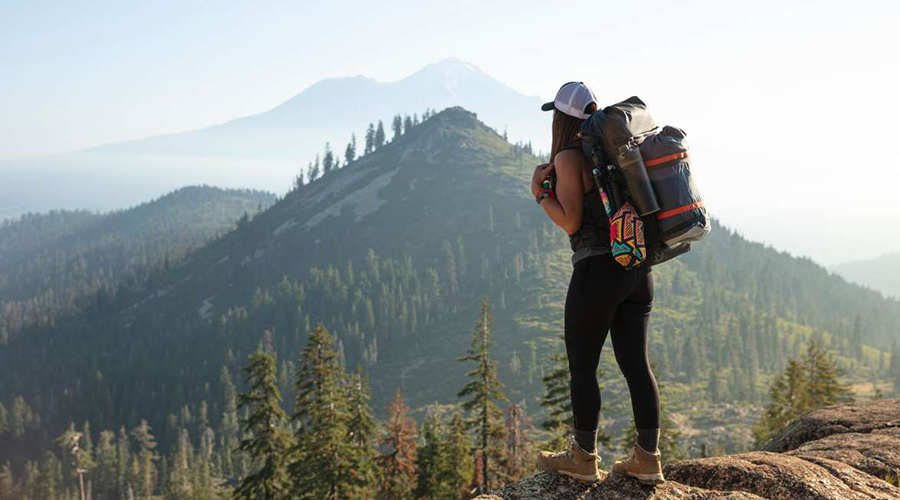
<point>682,217</point>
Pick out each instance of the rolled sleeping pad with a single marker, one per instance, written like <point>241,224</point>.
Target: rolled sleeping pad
<point>682,216</point>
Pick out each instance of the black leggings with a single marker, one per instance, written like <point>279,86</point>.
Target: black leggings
<point>604,296</point>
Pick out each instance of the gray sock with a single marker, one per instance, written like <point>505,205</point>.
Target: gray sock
<point>648,439</point>
<point>586,439</point>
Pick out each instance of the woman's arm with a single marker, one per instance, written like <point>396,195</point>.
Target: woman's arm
<point>565,211</point>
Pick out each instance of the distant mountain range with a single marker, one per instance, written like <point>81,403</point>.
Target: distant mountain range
<point>881,273</point>
<point>263,151</point>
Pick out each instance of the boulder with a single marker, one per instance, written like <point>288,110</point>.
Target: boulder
<point>861,418</point>
<point>877,453</point>
<point>776,476</point>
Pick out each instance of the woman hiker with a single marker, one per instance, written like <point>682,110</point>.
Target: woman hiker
<point>602,297</point>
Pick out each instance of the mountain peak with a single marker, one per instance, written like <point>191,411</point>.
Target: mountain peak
<point>455,63</point>
<point>456,115</point>
<point>449,73</point>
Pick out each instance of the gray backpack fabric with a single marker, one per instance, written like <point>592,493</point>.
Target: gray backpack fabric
<point>682,217</point>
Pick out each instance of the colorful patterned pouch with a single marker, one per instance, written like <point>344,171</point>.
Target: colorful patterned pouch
<point>626,237</point>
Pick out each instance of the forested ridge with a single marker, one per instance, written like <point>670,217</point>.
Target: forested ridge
<point>50,263</point>
<point>393,253</point>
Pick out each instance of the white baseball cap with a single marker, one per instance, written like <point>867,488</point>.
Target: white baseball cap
<point>572,99</point>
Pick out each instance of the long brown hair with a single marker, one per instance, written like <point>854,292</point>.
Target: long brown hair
<point>566,129</point>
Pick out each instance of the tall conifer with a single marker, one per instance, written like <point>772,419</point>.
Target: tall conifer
<point>788,400</point>
<point>429,459</point>
<point>266,440</point>
<point>482,390</point>
<point>350,152</point>
<point>146,459</point>
<point>398,463</point>
<point>457,468</point>
<point>362,430</point>
<point>370,139</point>
<point>379,135</point>
<point>323,469</point>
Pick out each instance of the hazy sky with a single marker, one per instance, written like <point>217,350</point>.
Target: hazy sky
<point>798,99</point>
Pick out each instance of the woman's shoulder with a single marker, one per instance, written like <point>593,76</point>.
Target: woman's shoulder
<point>571,156</point>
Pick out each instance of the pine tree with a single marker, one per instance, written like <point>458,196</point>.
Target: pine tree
<point>822,385</point>
<point>49,483</point>
<point>429,459</point>
<point>370,139</point>
<point>323,467</point>
<point>398,465</point>
<point>299,182</point>
<point>397,126</point>
<point>105,474</point>
<point>77,454</point>
<point>517,455</point>
<point>788,400</point>
<point>379,135</point>
<point>407,124</point>
<point>350,152</point>
<point>123,447</point>
<point>230,426</point>
<point>180,483</point>
<point>457,468</point>
<point>7,482</point>
<point>482,390</point>
<point>328,159</point>
<point>146,457</point>
<point>28,488</point>
<point>266,441</point>
<point>362,430</point>
<point>314,171</point>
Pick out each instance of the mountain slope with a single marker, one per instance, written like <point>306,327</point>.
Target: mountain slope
<point>393,253</point>
<point>51,262</point>
<point>882,273</point>
<point>263,151</point>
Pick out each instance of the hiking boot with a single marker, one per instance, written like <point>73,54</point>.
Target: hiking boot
<point>574,461</point>
<point>642,465</point>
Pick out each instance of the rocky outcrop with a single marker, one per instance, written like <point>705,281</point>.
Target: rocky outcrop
<point>881,416</point>
<point>836,453</point>
<point>775,476</point>
<point>546,486</point>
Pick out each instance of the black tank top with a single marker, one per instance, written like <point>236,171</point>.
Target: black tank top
<point>592,236</point>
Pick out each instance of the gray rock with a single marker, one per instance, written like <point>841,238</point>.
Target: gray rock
<point>777,476</point>
<point>862,418</point>
<point>835,453</point>
<point>877,453</point>
<point>546,486</point>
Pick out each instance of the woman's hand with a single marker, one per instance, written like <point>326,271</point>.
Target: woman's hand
<point>540,173</point>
